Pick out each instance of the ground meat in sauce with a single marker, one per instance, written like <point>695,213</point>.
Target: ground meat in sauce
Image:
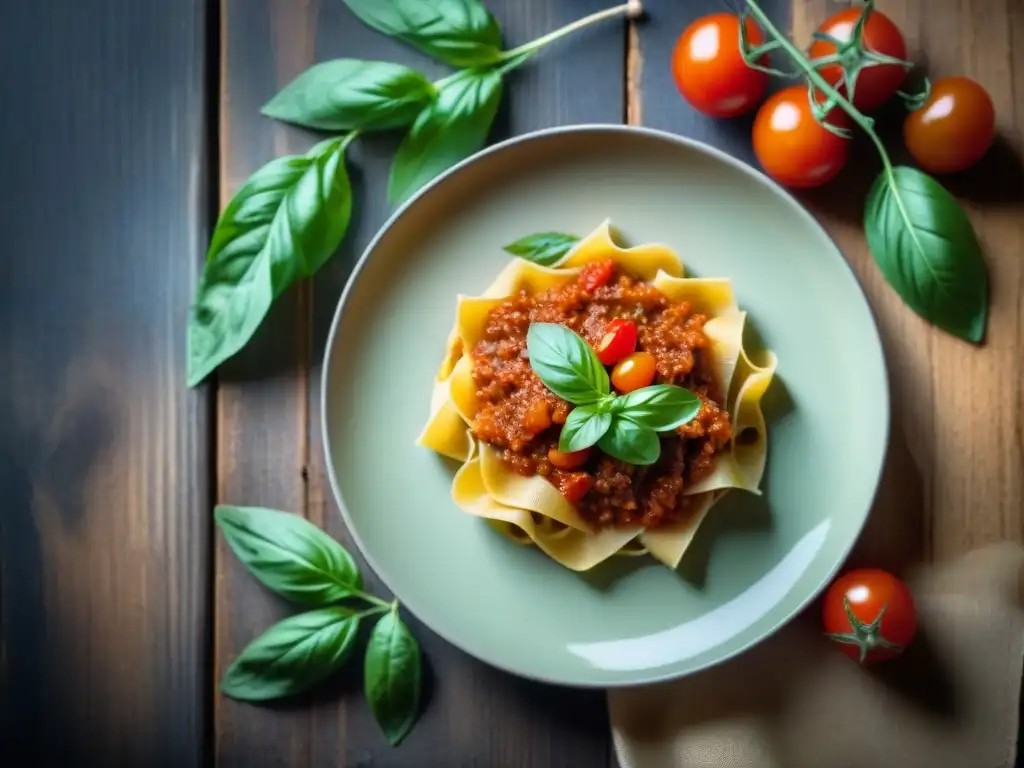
<point>521,416</point>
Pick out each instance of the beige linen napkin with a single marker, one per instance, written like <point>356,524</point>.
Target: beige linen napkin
<point>794,701</point>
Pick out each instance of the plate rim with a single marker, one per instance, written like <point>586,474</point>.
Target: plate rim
<point>756,176</point>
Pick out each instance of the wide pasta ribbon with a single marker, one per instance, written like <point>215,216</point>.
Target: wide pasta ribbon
<point>530,510</point>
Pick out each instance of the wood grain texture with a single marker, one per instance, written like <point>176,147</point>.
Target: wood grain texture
<point>104,472</point>
<point>269,449</point>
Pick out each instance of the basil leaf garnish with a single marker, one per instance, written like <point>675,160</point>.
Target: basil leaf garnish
<point>925,246</point>
<point>392,677</point>
<point>566,364</point>
<point>346,94</point>
<point>283,224</point>
<point>583,428</point>
<point>449,130</point>
<point>544,248</point>
<point>630,442</point>
<point>462,33</point>
<point>292,655</point>
<point>289,554</point>
<point>661,407</point>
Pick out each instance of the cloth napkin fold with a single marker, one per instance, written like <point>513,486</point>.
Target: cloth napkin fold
<point>794,701</point>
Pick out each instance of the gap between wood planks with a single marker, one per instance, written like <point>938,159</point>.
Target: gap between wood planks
<point>634,74</point>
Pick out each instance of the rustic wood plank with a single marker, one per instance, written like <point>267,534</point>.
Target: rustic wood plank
<point>270,450</point>
<point>104,535</point>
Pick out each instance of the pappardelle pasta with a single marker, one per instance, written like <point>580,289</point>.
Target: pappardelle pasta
<point>601,406</point>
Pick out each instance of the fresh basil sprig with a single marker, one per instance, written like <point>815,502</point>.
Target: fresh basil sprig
<point>348,94</point>
<point>544,248</point>
<point>291,214</point>
<point>462,33</point>
<point>283,224</point>
<point>625,426</point>
<point>302,563</point>
<point>926,248</point>
<point>450,129</point>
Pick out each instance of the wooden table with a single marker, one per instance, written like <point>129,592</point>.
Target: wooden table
<point>126,123</point>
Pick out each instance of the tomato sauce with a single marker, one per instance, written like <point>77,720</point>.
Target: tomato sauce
<point>520,416</point>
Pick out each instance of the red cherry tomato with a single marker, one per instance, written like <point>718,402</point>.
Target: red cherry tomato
<point>954,128</point>
<point>709,69</point>
<point>618,341</point>
<point>793,147</point>
<point>869,592</point>
<point>596,274</point>
<point>568,461</point>
<point>877,83</point>
<point>575,486</point>
<point>634,372</point>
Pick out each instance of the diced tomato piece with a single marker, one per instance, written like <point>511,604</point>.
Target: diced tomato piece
<point>596,274</point>
<point>618,341</point>
<point>568,461</point>
<point>575,486</point>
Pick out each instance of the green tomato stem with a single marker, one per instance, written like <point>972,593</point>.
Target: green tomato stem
<point>631,9</point>
<point>815,77</point>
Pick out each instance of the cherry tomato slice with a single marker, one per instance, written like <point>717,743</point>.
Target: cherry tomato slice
<point>596,274</point>
<point>709,69</point>
<point>793,147</point>
<point>618,341</point>
<point>954,128</point>
<point>869,592</point>
<point>875,84</point>
<point>568,461</point>
<point>634,372</point>
<point>575,486</point>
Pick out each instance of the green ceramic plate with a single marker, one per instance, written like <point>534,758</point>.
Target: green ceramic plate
<point>756,561</point>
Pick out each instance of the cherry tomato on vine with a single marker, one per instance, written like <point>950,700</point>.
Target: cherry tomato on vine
<point>884,618</point>
<point>875,83</point>
<point>619,340</point>
<point>709,69</point>
<point>793,147</point>
<point>953,128</point>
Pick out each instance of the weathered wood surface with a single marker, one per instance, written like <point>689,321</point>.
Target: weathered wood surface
<point>105,464</point>
<point>269,449</point>
<point>127,124</point>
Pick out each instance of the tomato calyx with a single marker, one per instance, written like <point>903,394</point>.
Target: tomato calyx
<point>853,56</point>
<point>866,637</point>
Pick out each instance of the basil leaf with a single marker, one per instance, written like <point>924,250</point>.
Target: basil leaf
<point>392,677</point>
<point>289,554</point>
<point>926,248</point>
<point>346,94</point>
<point>283,224</point>
<point>544,248</point>
<point>583,428</point>
<point>458,32</point>
<point>661,407</point>
<point>293,655</point>
<point>449,130</point>
<point>629,442</point>
<point>566,364</point>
